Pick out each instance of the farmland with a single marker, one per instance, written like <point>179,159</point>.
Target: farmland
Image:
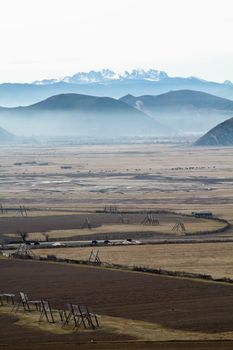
<point>215,259</point>
<point>62,186</point>
<point>176,307</point>
<point>108,226</point>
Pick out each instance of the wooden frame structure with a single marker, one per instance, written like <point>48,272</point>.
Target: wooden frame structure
<point>10,298</point>
<point>77,315</point>
<point>150,219</point>
<point>87,224</point>
<point>179,227</point>
<point>124,220</point>
<point>46,311</point>
<point>80,314</point>
<point>23,250</point>
<point>94,257</point>
<point>26,303</point>
<point>23,210</point>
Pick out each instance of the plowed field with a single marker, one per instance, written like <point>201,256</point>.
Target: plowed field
<point>174,303</point>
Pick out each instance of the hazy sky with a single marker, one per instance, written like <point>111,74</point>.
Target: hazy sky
<point>53,38</point>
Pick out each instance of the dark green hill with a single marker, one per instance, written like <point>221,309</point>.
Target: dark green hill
<point>181,98</point>
<point>187,110</point>
<point>220,135</point>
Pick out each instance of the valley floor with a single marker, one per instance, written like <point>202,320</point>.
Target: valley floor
<point>78,179</point>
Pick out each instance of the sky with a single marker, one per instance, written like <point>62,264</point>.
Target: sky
<point>55,38</point>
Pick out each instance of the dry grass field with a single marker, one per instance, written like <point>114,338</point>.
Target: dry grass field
<point>215,259</point>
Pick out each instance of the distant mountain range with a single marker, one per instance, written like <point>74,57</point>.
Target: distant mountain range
<point>75,115</point>
<point>109,83</point>
<point>220,135</point>
<point>106,76</point>
<point>184,110</point>
<point>80,115</point>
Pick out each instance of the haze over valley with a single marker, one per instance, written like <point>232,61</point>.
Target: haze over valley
<point>182,114</point>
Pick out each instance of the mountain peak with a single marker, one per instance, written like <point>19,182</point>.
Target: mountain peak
<point>141,74</point>
<point>107,75</point>
<point>92,76</point>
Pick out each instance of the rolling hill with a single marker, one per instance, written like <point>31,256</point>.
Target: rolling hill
<point>187,110</point>
<point>80,115</point>
<point>220,135</point>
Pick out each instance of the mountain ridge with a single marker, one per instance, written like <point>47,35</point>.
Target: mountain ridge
<point>187,109</point>
<point>199,98</point>
<point>107,75</point>
<point>108,83</point>
<point>80,115</point>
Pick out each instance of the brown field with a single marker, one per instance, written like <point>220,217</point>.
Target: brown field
<point>110,231</point>
<point>158,312</point>
<point>105,226</point>
<point>173,303</point>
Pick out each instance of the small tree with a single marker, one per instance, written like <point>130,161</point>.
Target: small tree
<point>23,235</point>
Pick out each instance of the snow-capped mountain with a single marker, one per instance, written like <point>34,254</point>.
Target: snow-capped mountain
<point>107,75</point>
<point>92,77</point>
<point>141,74</point>
<point>107,82</point>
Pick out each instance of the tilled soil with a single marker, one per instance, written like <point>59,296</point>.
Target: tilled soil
<point>78,221</point>
<point>172,302</point>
